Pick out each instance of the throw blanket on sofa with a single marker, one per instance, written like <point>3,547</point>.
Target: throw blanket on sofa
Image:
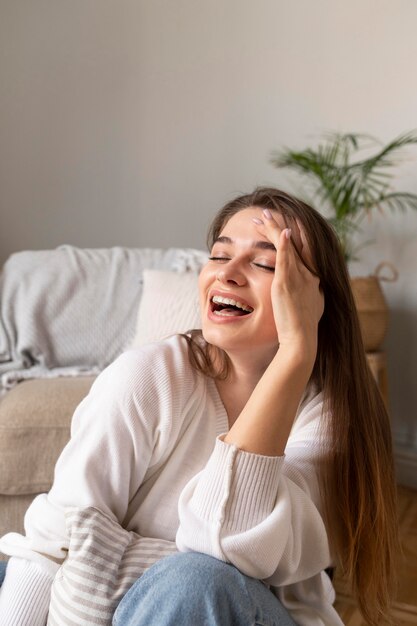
<point>72,311</point>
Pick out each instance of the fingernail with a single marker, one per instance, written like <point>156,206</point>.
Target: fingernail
<point>257,220</point>
<point>267,214</point>
<point>288,233</point>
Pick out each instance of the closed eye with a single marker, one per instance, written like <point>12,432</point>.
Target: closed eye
<point>224,259</point>
<point>218,258</point>
<point>265,267</point>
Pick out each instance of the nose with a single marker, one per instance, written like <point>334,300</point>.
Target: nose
<point>231,274</point>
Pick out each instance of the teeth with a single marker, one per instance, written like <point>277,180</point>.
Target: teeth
<point>221,300</point>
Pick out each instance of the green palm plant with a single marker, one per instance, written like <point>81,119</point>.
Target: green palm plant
<point>347,186</point>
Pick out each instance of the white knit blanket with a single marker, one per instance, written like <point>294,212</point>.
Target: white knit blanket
<point>70,310</point>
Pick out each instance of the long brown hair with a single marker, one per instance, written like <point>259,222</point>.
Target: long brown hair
<point>357,475</point>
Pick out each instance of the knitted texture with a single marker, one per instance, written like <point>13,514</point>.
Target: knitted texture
<point>75,308</point>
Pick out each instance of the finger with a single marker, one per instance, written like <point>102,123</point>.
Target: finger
<point>285,249</point>
<point>280,223</point>
<point>285,252</point>
<point>278,236</point>
<point>271,228</point>
<point>291,222</point>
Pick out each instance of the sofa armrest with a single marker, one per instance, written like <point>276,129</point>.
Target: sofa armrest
<point>35,420</point>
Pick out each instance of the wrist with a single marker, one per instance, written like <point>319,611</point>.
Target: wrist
<point>299,351</point>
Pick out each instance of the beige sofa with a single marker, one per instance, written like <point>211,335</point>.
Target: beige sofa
<point>35,420</point>
<point>61,323</point>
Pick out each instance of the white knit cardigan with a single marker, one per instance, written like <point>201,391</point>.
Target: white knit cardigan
<point>146,449</point>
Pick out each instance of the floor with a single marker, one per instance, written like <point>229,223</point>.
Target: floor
<point>405,607</point>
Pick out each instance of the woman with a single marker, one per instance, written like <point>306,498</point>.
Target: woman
<point>261,441</point>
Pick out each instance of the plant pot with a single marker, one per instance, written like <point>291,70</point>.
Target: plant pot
<point>371,306</point>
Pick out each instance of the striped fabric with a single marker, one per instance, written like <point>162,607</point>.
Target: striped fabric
<point>103,561</point>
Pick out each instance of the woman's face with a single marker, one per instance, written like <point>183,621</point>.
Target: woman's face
<point>241,269</point>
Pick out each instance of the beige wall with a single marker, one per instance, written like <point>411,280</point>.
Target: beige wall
<point>129,122</point>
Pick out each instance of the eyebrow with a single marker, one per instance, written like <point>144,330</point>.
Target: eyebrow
<point>261,245</point>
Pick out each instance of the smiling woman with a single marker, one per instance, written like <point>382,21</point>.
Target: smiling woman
<point>356,464</point>
<point>257,448</point>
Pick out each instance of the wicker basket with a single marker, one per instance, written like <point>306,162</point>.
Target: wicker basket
<point>371,306</point>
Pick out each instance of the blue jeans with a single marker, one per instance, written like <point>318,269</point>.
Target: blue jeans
<point>193,589</point>
<point>2,571</point>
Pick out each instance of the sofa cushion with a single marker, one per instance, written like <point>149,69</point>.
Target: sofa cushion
<point>12,513</point>
<point>169,305</point>
<point>35,420</point>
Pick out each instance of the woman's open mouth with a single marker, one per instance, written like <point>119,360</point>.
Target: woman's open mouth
<point>227,307</point>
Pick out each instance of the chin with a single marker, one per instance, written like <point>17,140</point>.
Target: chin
<point>212,336</point>
<point>238,343</point>
<point>216,337</point>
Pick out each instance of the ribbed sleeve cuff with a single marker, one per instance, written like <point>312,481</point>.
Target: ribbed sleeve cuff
<point>237,489</point>
<point>25,594</point>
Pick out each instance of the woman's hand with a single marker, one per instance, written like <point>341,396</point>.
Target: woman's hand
<point>297,300</point>
<point>265,423</point>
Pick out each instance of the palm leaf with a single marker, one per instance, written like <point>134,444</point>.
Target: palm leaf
<point>384,158</point>
<point>399,201</point>
<point>350,188</point>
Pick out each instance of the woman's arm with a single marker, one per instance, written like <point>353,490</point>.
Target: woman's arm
<point>24,597</point>
<point>261,513</point>
<point>264,425</point>
<point>115,437</point>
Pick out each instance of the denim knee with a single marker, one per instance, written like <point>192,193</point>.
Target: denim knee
<point>192,588</point>
<point>184,588</point>
<point>199,569</point>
